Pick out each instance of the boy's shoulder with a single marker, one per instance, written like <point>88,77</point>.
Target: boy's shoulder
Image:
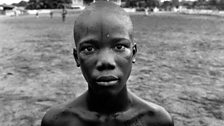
<point>51,116</point>
<point>63,115</point>
<point>149,113</point>
<point>156,114</point>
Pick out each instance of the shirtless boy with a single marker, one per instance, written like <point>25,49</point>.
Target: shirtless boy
<point>105,52</point>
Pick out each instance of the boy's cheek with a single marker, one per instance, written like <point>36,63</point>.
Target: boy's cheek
<point>87,61</point>
<point>85,58</point>
<point>127,56</point>
<point>124,63</point>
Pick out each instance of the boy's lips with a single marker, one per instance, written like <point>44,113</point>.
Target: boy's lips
<point>107,80</point>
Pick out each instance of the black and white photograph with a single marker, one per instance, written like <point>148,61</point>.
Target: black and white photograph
<point>112,62</point>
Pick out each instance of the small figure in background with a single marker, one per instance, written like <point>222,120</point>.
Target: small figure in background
<point>146,11</point>
<point>64,12</point>
<point>15,13</point>
<point>51,14</point>
<point>37,14</point>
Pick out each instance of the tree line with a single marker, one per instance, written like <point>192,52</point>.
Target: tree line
<point>55,4</point>
<point>43,4</point>
<point>199,4</point>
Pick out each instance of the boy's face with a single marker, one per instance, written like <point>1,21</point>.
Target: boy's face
<point>105,52</point>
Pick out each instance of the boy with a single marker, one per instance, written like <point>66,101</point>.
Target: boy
<point>105,52</point>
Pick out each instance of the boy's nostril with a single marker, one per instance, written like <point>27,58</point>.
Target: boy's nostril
<point>105,66</point>
<point>105,63</point>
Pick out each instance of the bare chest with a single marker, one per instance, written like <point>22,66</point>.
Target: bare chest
<point>114,122</point>
<point>99,122</point>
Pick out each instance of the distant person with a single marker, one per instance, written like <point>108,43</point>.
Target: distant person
<point>37,14</point>
<point>105,52</point>
<point>64,12</point>
<point>15,13</point>
<point>51,14</point>
<point>146,11</point>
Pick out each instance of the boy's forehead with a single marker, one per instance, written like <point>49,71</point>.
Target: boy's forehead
<point>104,19</point>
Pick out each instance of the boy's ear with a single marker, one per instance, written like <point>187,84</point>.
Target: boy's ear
<point>76,57</point>
<point>134,51</point>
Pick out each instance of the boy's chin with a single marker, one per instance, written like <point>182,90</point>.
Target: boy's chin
<point>107,90</point>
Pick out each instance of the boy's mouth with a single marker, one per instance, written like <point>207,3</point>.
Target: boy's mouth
<point>107,80</point>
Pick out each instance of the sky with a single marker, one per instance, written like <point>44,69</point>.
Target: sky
<point>10,1</point>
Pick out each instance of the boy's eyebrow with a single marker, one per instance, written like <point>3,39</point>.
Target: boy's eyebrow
<point>119,39</point>
<point>89,41</point>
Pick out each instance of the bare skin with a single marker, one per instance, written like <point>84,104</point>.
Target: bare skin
<point>105,52</point>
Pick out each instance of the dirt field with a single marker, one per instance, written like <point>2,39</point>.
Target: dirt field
<point>180,65</point>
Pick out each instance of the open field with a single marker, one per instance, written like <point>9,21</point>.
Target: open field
<point>180,65</point>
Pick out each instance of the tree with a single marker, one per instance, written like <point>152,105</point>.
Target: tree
<point>88,1</point>
<point>221,5</point>
<point>213,2</point>
<point>175,3</point>
<point>47,4</point>
<point>53,4</point>
<point>201,2</point>
<point>152,3</point>
<point>131,3</point>
<point>21,4</point>
<point>32,4</point>
<point>167,5</point>
<point>141,3</point>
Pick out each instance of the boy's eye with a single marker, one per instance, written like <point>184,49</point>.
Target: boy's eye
<point>88,49</point>
<point>119,47</point>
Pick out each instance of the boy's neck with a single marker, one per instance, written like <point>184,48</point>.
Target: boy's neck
<point>108,103</point>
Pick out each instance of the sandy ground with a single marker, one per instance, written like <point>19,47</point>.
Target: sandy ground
<point>180,65</point>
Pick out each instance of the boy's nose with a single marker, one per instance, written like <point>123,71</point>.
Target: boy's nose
<point>106,61</point>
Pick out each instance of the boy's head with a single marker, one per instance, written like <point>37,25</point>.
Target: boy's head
<point>105,50</point>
